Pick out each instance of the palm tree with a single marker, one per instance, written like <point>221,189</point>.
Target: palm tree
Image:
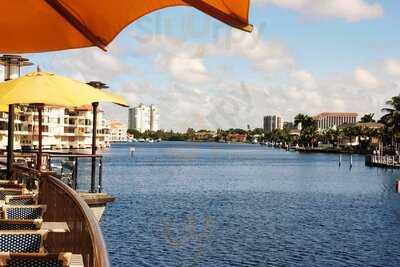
<point>351,131</point>
<point>331,136</point>
<point>368,118</point>
<point>392,117</point>
<point>299,119</point>
<point>309,129</point>
<point>304,120</point>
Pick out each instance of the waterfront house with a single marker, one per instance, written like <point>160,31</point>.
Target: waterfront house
<point>203,136</point>
<point>118,132</point>
<point>236,137</point>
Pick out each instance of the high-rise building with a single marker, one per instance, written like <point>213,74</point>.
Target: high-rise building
<point>329,120</point>
<point>144,118</point>
<point>154,118</point>
<point>272,122</point>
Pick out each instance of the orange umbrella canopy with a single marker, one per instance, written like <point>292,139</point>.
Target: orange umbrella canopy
<point>37,26</point>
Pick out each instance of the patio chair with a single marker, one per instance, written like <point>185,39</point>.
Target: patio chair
<point>11,184</point>
<point>27,199</point>
<point>8,182</point>
<point>48,260</point>
<point>7,192</point>
<point>18,225</point>
<point>22,241</point>
<point>24,212</point>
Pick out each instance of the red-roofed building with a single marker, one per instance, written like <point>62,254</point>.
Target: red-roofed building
<point>329,120</point>
<point>236,138</point>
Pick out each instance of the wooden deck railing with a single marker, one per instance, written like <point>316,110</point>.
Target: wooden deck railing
<point>383,161</point>
<point>88,181</point>
<point>65,205</point>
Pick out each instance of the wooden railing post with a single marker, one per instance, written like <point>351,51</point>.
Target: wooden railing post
<point>100,174</point>
<point>75,174</point>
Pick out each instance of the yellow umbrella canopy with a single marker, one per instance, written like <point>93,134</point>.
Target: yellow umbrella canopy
<point>45,88</point>
<point>3,108</point>
<point>38,26</point>
<point>50,89</point>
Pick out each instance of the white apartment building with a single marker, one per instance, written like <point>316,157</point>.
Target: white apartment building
<point>118,132</point>
<point>154,118</point>
<point>272,122</point>
<point>329,120</point>
<point>144,118</point>
<point>62,128</point>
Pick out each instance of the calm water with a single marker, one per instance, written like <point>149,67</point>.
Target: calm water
<point>183,204</point>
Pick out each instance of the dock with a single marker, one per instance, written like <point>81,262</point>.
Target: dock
<point>386,161</point>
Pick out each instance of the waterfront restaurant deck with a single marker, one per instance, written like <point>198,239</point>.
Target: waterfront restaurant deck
<point>73,26</point>
<point>44,221</point>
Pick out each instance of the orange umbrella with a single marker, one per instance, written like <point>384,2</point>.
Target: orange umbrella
<point>36,26</point>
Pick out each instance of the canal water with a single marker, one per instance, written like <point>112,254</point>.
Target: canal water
<point>186,204</point>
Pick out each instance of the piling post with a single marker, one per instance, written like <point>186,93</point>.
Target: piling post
<point>351,161</point>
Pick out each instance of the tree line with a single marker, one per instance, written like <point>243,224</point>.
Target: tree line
<point>190,135</point>
<point>387,136</point>
<point>385,131</point>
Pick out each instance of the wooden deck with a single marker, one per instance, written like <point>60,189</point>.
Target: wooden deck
<point>392,162</point>
<point>71,225</point>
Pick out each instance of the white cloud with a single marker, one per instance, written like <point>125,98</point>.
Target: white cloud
<point>89,64</point>
<point>366,79</point>
<point>305,78</point>
<point>199,93</point>
<point>184,67</point>
<point>350,10</point>
<point>184,63</point>
<point>267,56</point>
<point>263,55</point>
<point>392,67</point>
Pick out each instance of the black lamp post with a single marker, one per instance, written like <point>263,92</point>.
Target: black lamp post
<point>95,105</point>
<point>12,70</point>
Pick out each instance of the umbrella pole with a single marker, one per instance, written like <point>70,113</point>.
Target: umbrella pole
<point>39,158</point>
<point>94,147</point>
<point>95,105</point>
<point>10,142</point>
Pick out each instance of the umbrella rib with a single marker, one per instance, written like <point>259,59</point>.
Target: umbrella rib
<point>76,23</point>
<point>218,14</point>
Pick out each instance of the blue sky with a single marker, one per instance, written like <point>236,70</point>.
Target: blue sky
<point>305,56</point>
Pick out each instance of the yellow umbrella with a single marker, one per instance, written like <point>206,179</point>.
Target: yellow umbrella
<point>48,25</point>
<point>50,89</point>
<point>4,108</point>
<point>42,88</point>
